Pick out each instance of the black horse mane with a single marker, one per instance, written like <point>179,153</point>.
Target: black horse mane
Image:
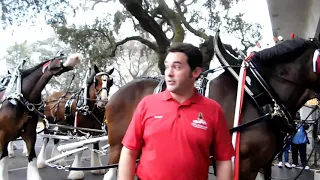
<point>91,77</point>
<point>27,72</point>
<point>282,53</point>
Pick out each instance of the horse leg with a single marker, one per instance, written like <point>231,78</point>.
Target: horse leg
<point>55,152</point>
<point>25,149</point>
<point>4,162</point>
<point>10,149</point>
<point>114,157</point>
<point>76,163</point>
<point>30,136</point>
<point>267,171</point>
<point>42,157</point>
<point>95,160</point>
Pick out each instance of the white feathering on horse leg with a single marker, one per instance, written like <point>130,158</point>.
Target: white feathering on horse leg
<point>54,153</point>
<point>4,162</point>
<point>10,149</point>
<point>42,154</point>
<point>25,149</point>
<point>76,163</point>
<point>111,174</point>
<point>32,172</point>
<point>95,161</point>
<point>73,60</point>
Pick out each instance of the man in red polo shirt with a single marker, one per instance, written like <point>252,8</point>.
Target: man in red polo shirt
<point>178,129</point>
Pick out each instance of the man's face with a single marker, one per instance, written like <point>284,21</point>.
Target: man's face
<point>178,74</point>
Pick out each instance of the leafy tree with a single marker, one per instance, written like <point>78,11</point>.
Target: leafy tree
<point>134,61</point>
<point>156,22</point>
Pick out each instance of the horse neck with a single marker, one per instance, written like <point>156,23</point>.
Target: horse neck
<point>35,95</point>
<point>29,85</point>
<point>91,95</point>
<point>291,93</point>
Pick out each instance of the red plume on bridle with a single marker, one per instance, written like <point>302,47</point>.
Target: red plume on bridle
<point>292,35</point>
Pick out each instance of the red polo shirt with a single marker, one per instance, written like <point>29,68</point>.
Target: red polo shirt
<point>177,139</point>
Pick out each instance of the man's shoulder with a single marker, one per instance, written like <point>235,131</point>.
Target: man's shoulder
<point>210,102</point>
<point>152,98</point>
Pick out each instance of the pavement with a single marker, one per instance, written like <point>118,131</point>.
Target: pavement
<point>18,166</point>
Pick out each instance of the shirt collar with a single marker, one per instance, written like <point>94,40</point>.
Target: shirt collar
<point>166,96</point>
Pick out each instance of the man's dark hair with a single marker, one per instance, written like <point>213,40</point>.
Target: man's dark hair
<point>192,52</point>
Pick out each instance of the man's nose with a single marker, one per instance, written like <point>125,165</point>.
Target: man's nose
<point>169,72</point>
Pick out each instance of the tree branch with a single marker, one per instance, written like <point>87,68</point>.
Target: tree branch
<point>136,38</point>
<point>101,32</point>
<point>98,1</point>
<point>173,20</point>
<point>146,22</point>
<point>187,25</point>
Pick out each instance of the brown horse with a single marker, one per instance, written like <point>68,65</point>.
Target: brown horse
<point>70,109</point>
<point>19,109</point>
<point>287,69</point>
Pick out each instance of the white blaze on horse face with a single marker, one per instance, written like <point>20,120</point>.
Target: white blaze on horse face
<point>104,92</point>
<point>4,168</point>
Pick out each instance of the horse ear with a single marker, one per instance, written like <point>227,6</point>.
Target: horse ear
<point>111,82</point>
<point>111,71</point>
<point>9,72</point>
<point>96,69</point>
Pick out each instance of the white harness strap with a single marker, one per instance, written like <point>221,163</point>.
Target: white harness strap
<point>158,89</point>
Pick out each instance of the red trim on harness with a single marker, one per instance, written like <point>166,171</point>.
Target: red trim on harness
<point>44,67</point>
<point>249,57</point>
<point>237,148</point>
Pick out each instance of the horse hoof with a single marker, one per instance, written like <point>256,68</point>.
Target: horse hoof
<point>76,175</point>
<point>62,162</point>
<point>98,172</point>
<point>11,155</point>
<point>14,147</point>
<point>41,165</point>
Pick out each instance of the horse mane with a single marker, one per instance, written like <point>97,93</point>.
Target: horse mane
<point>282,53</point>
<point>27,72</point>
<point>90,78</point>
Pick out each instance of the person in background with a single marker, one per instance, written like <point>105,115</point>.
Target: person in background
<point>299,145</point>
<point>286,157</point>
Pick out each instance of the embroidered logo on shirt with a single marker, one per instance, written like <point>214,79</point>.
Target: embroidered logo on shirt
<point>200,122</point>
<point>158,117</point>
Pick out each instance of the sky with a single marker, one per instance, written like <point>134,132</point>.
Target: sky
<point>258,12</point>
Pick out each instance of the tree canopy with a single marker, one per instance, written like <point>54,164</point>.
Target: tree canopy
<point>157,24</point>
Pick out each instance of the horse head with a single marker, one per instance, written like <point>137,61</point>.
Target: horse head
<point>100,85</point>
<point>292,69</point>
<point>35,79</point>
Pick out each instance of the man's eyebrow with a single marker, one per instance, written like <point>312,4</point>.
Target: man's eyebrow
<point>174,62</point>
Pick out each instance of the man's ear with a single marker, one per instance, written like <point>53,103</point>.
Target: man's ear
<point>196,72</point>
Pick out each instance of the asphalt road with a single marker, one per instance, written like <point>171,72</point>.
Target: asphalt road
<point>18,167</point>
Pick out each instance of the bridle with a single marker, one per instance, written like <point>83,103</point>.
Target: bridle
<point>105,78</point>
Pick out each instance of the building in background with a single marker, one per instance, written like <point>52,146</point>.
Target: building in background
<point>301,17</point>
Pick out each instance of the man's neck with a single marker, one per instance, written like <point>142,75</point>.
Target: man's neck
<point>182,97</point>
